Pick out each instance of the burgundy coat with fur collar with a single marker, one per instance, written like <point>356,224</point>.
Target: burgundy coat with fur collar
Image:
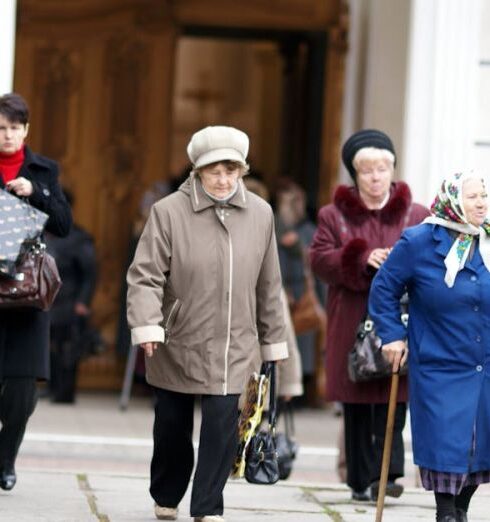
<point>347,232</point>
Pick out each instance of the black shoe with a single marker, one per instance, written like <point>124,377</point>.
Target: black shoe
<point>63,400</point>
<point>461,515</point>
<point>8,478</point>
<point>361,496</point>
<point>447,518</point>
<point>392,489</point>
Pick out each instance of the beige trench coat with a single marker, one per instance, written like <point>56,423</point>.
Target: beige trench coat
<point>205,281</point>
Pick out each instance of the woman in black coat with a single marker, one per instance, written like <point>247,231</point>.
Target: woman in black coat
<point>24,332</point>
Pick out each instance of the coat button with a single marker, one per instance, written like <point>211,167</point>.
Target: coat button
<point>473,278</point>
<point>478,339</point>
<point>476,308</point>
<point>46,192</point>
<point>479,368</point>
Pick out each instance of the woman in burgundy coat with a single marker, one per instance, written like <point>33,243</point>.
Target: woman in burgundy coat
<point>354,237</point>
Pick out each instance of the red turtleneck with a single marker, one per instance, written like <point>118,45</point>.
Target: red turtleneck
<point>10,164</point>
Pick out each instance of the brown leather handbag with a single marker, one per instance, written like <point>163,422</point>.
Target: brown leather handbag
<point>35,283</point>
<point>307,313</point>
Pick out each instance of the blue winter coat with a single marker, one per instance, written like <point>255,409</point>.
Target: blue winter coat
<point>449,348</point>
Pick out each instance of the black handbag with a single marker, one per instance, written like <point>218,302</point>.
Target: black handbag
<point>261,463</point>
<point>366,361</point>
<point>286,446</point>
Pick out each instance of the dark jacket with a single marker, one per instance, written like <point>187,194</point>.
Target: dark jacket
<point>292,262</point>
<point>24,332</point>
<point>449,355</point>
<point>347,232</point>
<point>76,260</point>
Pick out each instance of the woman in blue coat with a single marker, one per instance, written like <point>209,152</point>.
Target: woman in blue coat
<point>444,264</point>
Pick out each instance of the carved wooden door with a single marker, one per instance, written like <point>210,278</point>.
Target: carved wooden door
<point>98,78</point>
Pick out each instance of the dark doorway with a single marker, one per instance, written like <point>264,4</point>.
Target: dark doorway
<point>270,84</point>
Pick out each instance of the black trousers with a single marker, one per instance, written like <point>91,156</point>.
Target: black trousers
<point>65,356</point>
<point>173,452</point>
<point>64,369</point>
<point>18,397</point>
<point>365,426</point>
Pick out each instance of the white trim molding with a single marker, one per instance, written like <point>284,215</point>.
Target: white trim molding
<point>8,11</point>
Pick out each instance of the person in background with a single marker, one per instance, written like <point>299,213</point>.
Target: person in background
<point>444,264</point>
<point>76,260</point>
<point>204,296</point>
<point>294,235</point>
<point>354,237</point>
<point>154,193</point>
<point>289,375</point>
<point>24,332</point>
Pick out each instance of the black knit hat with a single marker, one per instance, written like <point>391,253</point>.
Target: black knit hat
<point>359,140</point>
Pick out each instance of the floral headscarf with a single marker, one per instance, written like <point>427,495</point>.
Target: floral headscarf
<point>447,210</point>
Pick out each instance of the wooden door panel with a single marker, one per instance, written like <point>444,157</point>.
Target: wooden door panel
<point>89,92</point>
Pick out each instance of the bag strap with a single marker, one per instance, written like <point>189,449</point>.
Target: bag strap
<point>289,420</point>
<point>308,279</point>
<point>269,368</point>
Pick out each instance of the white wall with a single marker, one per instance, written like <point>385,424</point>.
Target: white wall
<point>441,102</point>
<point>481,142</point>
<point>385,73</point>
<point>7,44</point>
<point>353,109</point>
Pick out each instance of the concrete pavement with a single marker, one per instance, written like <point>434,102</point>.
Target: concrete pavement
<point>65,496</point>
<point>89,462</point>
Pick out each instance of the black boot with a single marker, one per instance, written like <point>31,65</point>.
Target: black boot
<point>461,515</point>
<point>8,478</point>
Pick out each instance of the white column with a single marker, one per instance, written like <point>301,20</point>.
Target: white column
<point>376,66</point>
<point>440,106</point>
<point>352,105</point>
<point>386,69</point>
<point>8,9</point>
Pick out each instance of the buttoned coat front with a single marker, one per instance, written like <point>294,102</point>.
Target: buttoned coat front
<point>205,280</point>
<point>24,332</point>
<point>449,348</point>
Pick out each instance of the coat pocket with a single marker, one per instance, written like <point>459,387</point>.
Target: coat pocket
<point>171,308</point>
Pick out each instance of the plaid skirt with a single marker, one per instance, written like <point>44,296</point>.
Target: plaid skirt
<point>453,483</point>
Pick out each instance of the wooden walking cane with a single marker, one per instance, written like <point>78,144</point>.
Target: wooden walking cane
<point>387,446</point>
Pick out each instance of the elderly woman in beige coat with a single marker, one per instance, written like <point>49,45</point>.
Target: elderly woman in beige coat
<point>203,297</point>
